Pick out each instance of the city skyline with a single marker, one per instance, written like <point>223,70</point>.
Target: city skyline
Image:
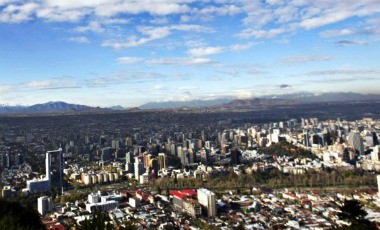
<point>124,52</point>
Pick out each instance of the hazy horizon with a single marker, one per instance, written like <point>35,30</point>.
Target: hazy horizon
<point>123,52</point>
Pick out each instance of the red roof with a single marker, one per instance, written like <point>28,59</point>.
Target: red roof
<point>183,193</point>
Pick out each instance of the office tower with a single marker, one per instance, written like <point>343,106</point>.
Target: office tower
<point>44,204</point>
<point>306,139</point>
<point>203,135</point>
<point>139,167</point>
<point>200,144</point>
<point>173,149</point>
<point>179,151</point>
<point>355,140</point>
<point>235,156</point>
<point>378,184</point>
<point>105,154</point>
<point>7,161</point>
<point>128,142</point>
<point>57,164</point>
<point>369,140</point>
<point>375,138</point>
<point>146,159</point>
<point>204,156</point>
<point>19,159</point>
<point>375,156</point>
<point>208,145</point>
<point>182,154</point>
<point>206,198</point>
<point>162,161</point>
<point>129,157</point>
<point>153,167</point>
<point>115,144</point>
<point>47,166</point>
<point>191,156</point>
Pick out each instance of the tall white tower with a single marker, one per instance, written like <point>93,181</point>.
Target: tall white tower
<point>44,204</point>
<point>47,166</point>
<point>378,184</point>
<point>207,199</point>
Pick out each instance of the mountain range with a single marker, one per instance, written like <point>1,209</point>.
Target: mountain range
<point>49,107</point>
<point>271,100</point>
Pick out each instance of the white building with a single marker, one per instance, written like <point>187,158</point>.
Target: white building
<point>207,199</point>
<point>139,168</point>
<point>104,203</point>
<point>44,184</point>
<point>144,178</point>
<point>44,204</point>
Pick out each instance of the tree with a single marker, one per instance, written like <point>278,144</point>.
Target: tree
<point>98,222</point>
<point>15,216</point>
<point>353,212</point>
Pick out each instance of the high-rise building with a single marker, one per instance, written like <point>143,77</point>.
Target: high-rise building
<point>183,154</point>
<point>306,139</point>
<point>235,156</point>
<point>208,145</point>
<point>147,158</point>
<point>139,167</point>
<point>44,204</point>
<point>153,167</point>
<point>105,154</point>
<point>206,198</point>
<point>375,156</point>
<point>355,140</point>
<point>129,157</point>
<point>378,184</point>
<point>162,160</point>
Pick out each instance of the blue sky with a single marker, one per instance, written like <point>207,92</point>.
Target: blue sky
<point>129,52</point>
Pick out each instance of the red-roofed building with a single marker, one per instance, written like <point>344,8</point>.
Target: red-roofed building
<point>185,193</point>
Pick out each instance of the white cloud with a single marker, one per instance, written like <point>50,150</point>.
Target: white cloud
<point>52,84</point>
<point>188,87</point>
<point>108,21</point>
<point>205,51</point>
<point>267,19</point>
<point>52,14</point>
<point>335,33</point>
<point>78,39</point>
<point>274,2</point>
<point>4,89</point>
<point>128,60</point>
<point>185,18</point>
<point>182,61</point>
<point>351,42</point>
<point>18,13</point>
<point>154,33</point>
<point>346,72</point>
<point>292,60</point>
<point>248,33</point>
<point>229,10</point>
<point>92,26</point>
<point>159,21</point>
<point>75,10</point>
<point>240,47</point>
<point>159,87</point>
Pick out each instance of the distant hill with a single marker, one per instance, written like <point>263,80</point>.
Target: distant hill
<point>260,102</point>
<point>300,98</point>
<point>257,102</point>
<point>49,107</point>
<point>11,109</point>
<point>180,104</point>
<point>117,107</point>
<point>327,97</point>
